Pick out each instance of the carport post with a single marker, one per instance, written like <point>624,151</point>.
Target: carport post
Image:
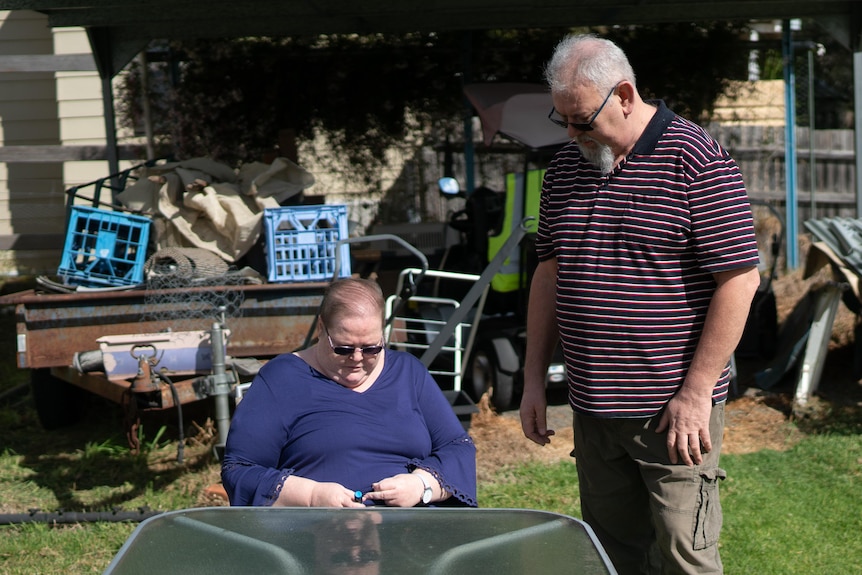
<point>100,42</point>
<point>111,149</point>
<point>466,78</point>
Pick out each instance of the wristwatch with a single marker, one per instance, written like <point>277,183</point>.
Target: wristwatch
<point>426,493</point>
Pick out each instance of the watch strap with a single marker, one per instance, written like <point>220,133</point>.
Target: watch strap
<point>427,493</point>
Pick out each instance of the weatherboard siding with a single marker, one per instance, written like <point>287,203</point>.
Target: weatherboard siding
<point>42,109</point>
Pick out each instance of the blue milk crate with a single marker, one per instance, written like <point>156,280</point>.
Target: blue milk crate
<point>104,248</point>
<point>300,242</point>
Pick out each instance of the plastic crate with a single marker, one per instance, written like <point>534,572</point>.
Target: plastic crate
<point>301,241</point>
<point>104,248</point>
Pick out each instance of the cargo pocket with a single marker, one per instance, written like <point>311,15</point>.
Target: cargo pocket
<point>707,520</point>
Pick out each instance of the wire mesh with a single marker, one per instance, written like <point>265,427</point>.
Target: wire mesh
<point>190,284</point>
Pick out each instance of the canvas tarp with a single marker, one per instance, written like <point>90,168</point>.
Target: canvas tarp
<point>200,203</point>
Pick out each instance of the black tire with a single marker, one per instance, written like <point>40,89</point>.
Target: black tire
<point>485,376</point>
<point>58,403</point>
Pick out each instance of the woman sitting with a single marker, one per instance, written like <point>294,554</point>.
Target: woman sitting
<point>347,422</point>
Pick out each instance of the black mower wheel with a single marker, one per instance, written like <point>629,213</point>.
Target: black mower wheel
<point>485,376</point>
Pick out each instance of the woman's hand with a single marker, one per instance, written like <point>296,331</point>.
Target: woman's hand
<point>333,495</point>
<point>402,490</point>
<point>302,492</point>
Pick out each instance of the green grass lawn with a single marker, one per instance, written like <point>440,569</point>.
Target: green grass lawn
<point>792,512</point>
<point>795,512</point>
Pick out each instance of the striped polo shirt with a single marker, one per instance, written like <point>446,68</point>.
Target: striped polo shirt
<point>636,250</point>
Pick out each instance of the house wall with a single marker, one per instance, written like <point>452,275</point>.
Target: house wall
<point>758,103</point>
<point>43,109</point>
<point>31,195</point>
<point>79,108</point>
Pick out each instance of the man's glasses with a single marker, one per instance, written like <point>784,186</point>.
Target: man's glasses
<point>349,350</point>
<point>588,127</point>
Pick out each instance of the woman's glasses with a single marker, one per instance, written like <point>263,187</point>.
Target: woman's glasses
<point>349,350</point>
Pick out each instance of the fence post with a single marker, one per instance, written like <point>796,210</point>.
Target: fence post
<point>790,145</point>
<point>857,100</point>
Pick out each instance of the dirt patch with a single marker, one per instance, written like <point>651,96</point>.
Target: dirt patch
<point>754,420</point>
<point>752,423</point>
<point>755,423</point>
<point>500,443</point>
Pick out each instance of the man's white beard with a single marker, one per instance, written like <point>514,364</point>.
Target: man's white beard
<point>599,155</point>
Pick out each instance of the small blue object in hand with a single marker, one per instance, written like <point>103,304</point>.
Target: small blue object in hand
<point>357,496</point>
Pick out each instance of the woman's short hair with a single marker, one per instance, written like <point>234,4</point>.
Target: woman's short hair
<point>350,297</point>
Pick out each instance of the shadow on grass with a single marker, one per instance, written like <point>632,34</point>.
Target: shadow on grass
<point>90,466</point>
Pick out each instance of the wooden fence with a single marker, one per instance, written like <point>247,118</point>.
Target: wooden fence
<point>759,151</point>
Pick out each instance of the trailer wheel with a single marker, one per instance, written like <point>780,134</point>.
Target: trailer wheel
<point>58,403</point>
<point>486,376</point>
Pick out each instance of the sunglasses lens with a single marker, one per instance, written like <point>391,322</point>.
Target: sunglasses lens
<point>578,127</point>
<point>345,350</point>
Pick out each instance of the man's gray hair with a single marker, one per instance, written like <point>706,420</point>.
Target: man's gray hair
<point>582,59</point>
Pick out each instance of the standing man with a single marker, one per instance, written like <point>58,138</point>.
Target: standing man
<point>646,244</point>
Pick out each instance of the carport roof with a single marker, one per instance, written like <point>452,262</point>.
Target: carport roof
<point>214,18</point>
<point>223,18</point>
<point>119,29</point>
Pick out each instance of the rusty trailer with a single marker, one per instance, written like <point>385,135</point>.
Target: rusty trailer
<point>60,334</point>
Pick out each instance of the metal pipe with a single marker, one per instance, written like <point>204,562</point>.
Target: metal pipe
<point>812,169</point>
<point>475,292</point>
<point>220,388</point>
<point>790,146</point>
<point>88,361</point>
<point>857,132</point>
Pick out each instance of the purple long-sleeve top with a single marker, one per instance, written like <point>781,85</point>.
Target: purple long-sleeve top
<point>293,420</point>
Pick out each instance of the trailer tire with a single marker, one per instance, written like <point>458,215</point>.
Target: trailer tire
<point>58,403</point>
<point>486,376</point>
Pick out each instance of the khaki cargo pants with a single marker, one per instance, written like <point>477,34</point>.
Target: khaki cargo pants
<point>651,517</point>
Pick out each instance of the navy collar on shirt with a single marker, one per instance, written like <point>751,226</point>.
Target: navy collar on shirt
<point>654,130</point>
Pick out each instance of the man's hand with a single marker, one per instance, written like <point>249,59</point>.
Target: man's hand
<point>686,419</point>
<point>543,336</point>
<point>534,413</point>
